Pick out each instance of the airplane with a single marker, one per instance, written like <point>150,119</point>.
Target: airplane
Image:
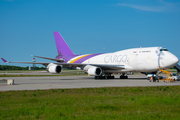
<point>103,65</point>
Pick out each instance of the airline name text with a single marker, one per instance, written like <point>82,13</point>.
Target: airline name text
<point>115,58</point>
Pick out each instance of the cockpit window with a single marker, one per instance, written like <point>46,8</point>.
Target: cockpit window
<point>163,49</point>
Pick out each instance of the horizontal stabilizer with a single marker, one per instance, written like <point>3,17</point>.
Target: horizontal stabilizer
<point>58,60</point>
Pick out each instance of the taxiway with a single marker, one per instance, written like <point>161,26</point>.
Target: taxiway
<point>61,82</point>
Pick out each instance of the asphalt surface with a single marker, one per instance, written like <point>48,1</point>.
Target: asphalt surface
<point>60,82</point>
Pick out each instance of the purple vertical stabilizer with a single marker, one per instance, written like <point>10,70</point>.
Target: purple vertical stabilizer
<point>62,47</point>
<point>4,60</point>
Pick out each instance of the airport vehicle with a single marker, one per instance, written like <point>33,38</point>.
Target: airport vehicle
<point>102,66</point>
<point>168,75</point>
<point>153,78</point>
<point>174,76</point>
<point>154,75</point>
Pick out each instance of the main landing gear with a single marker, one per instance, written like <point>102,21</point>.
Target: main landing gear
<point>123,76</point>
<point>107,76</point>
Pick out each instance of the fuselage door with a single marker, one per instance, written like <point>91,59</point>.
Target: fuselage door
<point>133,58</point>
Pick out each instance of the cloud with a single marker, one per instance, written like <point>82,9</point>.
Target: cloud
<point>144,8</point>
<point>162,7</point>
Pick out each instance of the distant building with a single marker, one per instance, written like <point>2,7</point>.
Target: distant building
<point>32,68</point>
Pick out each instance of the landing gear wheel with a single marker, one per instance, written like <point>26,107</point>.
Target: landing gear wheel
<point>106,76</point>
<point>123,77</point>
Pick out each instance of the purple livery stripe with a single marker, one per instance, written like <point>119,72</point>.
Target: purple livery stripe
<point>79,60</point>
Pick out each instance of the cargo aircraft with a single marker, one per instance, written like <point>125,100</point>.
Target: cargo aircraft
<point>103,65</point>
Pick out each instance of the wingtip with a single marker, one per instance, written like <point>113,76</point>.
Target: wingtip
<point>4,60</point>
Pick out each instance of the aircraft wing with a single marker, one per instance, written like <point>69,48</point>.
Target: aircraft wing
<point>110,67</point>
<point>113,67</point>
<point>43,63</point>
<point>46,63</point>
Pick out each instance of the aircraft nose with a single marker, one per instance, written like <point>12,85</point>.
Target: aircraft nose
<point>168,60</point>
<point>175,60</point>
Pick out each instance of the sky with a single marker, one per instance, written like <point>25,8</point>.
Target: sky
<point>88,26</point>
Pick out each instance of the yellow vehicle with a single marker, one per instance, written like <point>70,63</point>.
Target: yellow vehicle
<point>168,76</point>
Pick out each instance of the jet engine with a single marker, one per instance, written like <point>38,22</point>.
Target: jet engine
<point>94,71</point>
<point>53,68</point>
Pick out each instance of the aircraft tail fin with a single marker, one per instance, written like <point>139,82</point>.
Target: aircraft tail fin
<point>62,47</point>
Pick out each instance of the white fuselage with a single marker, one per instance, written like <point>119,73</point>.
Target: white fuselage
<point>138,59</point>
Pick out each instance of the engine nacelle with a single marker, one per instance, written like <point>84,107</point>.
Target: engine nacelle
<point>94,71</point>
<point>53,68</point>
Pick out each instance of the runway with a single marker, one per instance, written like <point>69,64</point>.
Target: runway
<point>60,82</point>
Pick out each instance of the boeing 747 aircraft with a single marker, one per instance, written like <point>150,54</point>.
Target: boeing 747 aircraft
<point>148,59</point>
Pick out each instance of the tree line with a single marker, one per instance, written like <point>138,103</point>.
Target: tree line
<point>9,67</point>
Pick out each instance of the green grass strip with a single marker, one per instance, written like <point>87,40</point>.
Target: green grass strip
<point>137,103</point>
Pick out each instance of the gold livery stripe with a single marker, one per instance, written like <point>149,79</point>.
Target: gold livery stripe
<point>79,58</point>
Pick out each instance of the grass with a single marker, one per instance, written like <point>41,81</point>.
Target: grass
<point>92,103</point>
